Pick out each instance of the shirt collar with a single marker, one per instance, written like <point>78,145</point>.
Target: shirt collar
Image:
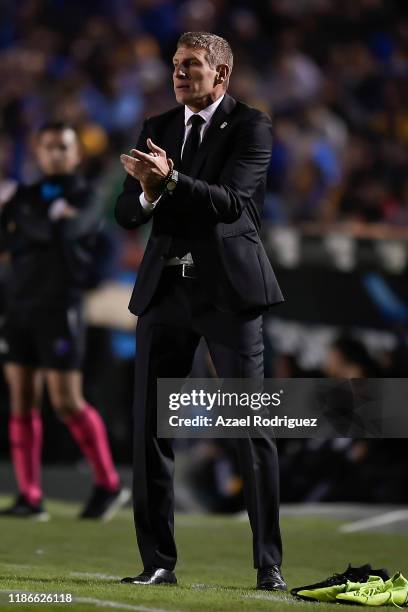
<point>206,113</point>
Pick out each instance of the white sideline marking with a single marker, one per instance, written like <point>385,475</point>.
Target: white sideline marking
<point>74,574</point>
<point>104,603</point>
<point>101,603</point>
<point>95,575</point>
<point>375,521</point>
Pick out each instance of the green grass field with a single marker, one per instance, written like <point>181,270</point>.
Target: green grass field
<point>214,571</point>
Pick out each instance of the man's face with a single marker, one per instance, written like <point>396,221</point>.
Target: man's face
<point>334,364</point>
<point>58,152</point>
<point>195,82</point>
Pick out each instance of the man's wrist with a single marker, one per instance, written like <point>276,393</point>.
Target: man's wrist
<point>171,181</point>
<point>150,198</point>
<point>151,192</point>
<point>147,205</point>
<point>168,185</point>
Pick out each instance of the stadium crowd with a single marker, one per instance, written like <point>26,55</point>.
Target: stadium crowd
<point>333,75</point>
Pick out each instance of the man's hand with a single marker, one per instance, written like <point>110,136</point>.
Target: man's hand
<point>150,169</point>
<point>61,209</point>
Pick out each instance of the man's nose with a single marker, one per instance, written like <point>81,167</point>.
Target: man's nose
<point>180,73</point>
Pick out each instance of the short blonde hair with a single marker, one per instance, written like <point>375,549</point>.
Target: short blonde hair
<point>217,48</point>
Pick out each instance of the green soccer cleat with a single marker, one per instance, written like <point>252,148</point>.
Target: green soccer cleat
<point>351,574</point>
<point>391,592</point>
<point>399,590</point>
<point>332,593</point>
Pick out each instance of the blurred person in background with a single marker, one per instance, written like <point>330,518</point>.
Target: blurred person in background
<point>318,470</point>
<point>49,230</point>
<point>199,172</point>
<point>347,357</point>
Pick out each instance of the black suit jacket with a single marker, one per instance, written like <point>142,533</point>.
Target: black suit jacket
<point>217,208</point>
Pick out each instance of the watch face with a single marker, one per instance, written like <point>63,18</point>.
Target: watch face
<point>171,185</point>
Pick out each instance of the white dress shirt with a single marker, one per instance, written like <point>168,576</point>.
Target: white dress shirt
<point>207,114</point>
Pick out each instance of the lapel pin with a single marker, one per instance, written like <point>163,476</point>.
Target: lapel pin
<point>222,126</point>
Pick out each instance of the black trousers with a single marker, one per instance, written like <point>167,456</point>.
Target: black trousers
<point>167,336</point>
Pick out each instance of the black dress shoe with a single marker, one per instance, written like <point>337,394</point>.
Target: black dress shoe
<point>152,575</point>
<point>270,579</point>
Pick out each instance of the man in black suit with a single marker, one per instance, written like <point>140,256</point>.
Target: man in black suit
<point>199,172</point>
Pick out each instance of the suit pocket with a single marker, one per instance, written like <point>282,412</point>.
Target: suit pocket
<point>243,266</point>
<point>249,233</point>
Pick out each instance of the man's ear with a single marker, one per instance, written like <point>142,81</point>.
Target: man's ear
<point>222,73</point>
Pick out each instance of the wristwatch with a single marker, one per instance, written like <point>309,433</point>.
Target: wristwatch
<point>171,182</point>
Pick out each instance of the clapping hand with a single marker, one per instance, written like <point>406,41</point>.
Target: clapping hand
<point>150,169</point>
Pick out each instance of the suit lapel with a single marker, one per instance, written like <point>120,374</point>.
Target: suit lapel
<point>174,137</point>
<point>213,133</point>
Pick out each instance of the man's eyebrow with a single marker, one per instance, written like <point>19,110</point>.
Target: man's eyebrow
<point>187,59</point>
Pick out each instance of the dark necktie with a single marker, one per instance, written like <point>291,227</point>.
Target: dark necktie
<point>191,145</point>
<point>181,243</point>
